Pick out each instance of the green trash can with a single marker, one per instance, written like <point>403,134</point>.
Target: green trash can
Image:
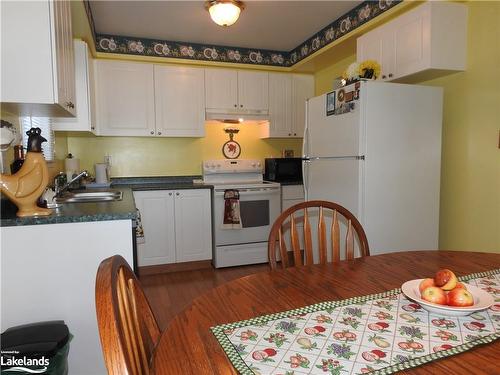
<point>37,348</point>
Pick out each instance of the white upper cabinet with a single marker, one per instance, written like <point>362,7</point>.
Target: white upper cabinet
<point>236,91</point>
<point>138,99</point>
<point>125,104</point>
<point>432,36</point>
<point>280,105</point>
<point>302,89</point>
<point>287,103</point>
<point>37,59</point>
<point>221,89</point>
<point>253,91</point>
<point>179,101</point>
<point>84,84</point>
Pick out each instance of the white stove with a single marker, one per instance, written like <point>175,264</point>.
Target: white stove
<point>259,208</point>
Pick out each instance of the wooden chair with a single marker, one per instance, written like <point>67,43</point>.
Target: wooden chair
<point>127,327</point>
<point>290,219</point>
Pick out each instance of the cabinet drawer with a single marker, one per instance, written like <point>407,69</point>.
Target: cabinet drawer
<point>292,192</point>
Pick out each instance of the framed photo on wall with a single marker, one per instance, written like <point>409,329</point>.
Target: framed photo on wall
<point>330,103</point>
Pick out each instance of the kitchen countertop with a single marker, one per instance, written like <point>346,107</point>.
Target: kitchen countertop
<point>102,211</point>
<point>75,212</point>
<point>159,183</point>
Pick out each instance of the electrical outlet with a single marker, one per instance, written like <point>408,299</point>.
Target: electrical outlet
<point>107,159</point>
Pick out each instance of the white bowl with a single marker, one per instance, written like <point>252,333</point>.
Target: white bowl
<point>482,300</point>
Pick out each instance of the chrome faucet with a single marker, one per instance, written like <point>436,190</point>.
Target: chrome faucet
<point>61,189</point>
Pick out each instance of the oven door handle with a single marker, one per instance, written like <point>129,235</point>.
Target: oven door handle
<point>245,192</point>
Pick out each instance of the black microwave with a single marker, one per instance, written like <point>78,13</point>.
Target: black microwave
<point>285,170</point>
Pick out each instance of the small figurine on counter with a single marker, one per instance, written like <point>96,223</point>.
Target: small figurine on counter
<point>27,185</point>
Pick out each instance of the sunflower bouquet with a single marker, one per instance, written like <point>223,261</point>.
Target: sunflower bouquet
<point>351,74</point>
<point>369,69</point>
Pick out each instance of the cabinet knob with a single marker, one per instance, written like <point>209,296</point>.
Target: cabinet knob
<point>159,133</point>
<point>384,76</point>
<point>289,134</point>
<point>241,105</point>
<point>92,127</point>
<point>151,132</point>
<point>177,193</point>
<point>390,75</point>
<point>235,105</point>
<point>294,133</point>
<point>170,194</point>
<point>70,105</point>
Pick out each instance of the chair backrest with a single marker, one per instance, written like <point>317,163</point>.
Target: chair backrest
<point>127,327</point>
<point>302,212</point>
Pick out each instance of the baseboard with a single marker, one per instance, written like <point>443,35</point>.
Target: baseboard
<point>174,267</point>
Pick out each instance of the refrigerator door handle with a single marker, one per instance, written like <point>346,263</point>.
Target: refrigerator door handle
<point>305,139</point>
<point>305,176</point>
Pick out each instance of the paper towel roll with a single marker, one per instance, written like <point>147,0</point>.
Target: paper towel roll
<point>101,173</point>
<point>71,166</point>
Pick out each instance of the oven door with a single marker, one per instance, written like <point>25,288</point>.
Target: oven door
<point>259,208</point>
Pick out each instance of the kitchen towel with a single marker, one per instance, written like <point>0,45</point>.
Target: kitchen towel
<point>232,217</point>
<point>139,230</point>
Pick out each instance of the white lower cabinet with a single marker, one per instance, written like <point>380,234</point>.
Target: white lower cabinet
<point>177,226</point>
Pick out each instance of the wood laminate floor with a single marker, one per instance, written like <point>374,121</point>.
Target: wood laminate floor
<point>170,293</point>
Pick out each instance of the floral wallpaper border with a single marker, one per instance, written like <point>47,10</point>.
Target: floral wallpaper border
<point>343,25</point>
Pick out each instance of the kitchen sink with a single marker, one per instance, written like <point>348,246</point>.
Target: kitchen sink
<point>90,196</point>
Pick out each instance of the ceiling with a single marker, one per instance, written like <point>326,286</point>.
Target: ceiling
<point>274,25</point>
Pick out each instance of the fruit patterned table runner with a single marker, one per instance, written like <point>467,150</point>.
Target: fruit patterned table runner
<point>380,334</point>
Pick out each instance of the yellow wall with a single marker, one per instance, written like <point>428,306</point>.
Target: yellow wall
<point>470,171</point>
<point>324,78</point>
<point>470,176</point>
<point>135,156</point>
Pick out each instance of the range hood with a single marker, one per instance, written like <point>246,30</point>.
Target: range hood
<point>236,116</point>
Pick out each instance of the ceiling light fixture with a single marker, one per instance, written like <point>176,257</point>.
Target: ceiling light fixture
<point>224,12</point>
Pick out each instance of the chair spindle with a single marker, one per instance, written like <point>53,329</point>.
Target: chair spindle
<point>349,242</point>
<point>322,237</point>
<point>294,239</point>
<point>335,234</point>
<point>307,239</point>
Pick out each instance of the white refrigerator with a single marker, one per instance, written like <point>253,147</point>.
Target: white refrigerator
<point>379,155</point>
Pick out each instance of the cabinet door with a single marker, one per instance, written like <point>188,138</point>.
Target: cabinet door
<point>179,101</point>
<point>412,41</point>
<point>378,45</point>
<point>253,91</point>
<point>221,89</point>
<point>125,98</point>
<point>193,225</point>
<point>280,105</point>
<point>157,214</point>
<point>302,89</point>
<point>64,55</point>
<point>83,84</point>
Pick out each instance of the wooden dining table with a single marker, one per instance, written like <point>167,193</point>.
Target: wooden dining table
<point>188,346</point>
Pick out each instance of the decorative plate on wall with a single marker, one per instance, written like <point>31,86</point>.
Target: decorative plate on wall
<point>231,149</point>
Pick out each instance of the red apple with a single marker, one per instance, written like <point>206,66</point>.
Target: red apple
<point>434,294</point>
<point>461,285</point>
<point>425,283</point>
<point>460,297</point>
<point>445,279</point>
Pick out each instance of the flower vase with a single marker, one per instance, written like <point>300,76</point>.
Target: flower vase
<point>368,74</point>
